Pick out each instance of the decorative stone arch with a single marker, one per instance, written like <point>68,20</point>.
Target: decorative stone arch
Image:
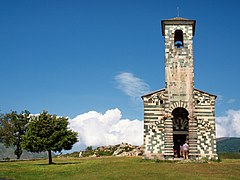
<point>179,104</point>
<point>180,119</point>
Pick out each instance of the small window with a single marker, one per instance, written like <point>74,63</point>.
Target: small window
<point>178,39</point>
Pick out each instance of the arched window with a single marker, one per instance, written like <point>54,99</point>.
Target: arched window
<point>178,39</point>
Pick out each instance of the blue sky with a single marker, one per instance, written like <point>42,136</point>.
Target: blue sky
<point>65,56</point>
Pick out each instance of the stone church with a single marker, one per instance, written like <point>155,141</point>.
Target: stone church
<point>179,112</point>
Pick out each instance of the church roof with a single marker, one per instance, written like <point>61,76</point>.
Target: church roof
<point>178,18</point>
<point>205,92</point>
<point>164,90</point>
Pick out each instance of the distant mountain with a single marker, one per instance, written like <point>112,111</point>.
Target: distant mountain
<point>228,144</point>
<point>9,153</point>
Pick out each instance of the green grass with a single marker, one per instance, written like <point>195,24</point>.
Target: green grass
<point>118,168</point>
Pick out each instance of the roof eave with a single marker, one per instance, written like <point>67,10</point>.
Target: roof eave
<point>163,89</point>
<point>176,22</point>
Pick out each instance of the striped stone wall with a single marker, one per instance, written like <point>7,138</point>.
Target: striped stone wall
<point>158,126</point>
<point>204,113</point>
<point>154,127</point>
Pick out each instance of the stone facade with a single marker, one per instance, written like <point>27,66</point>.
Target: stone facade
<point>179,112</point>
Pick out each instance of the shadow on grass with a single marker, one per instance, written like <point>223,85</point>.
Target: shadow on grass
<point>63,163</point>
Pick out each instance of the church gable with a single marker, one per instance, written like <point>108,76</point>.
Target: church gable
<point>204,105</point>
<point>154,106</point>
<point>203,98</point>
<point>155,98</point>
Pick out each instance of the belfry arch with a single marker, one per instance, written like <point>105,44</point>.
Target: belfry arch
<point>180,121</point>
<point>178,39</point>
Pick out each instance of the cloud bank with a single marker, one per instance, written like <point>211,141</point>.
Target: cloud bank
<point>131,85</point>
<point>229,125</point>
<point>96,129</point>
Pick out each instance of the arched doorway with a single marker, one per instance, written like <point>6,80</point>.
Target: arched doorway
<point>180,128</point>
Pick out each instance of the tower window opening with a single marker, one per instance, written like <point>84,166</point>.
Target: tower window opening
<point>178,39</point>
<point>161,101</point>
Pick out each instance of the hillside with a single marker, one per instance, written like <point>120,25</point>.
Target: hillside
<point>228,144</point>
<point>123,149</point>
<point>9,153</point>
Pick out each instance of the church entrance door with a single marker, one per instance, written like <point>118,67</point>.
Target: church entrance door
<point>178,140</point>
<point>180,129</point>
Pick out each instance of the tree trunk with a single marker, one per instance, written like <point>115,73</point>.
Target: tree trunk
<point>49,157</point>
<point>18,156</point>
<point>18,152</point>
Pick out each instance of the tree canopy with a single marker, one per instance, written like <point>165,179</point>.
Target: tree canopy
<point>12,127</point>
<point>48,132</point>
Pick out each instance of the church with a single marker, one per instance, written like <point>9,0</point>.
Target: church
<point>179,113</point>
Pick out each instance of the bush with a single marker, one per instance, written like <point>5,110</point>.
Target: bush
<point>104,153</point>
<point>6,159</point>
<point>87,153</point>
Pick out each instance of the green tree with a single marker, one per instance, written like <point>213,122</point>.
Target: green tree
<point>5,130</point>
<point>48,132</point>
<point>89,148</point>
<point>12,127</point>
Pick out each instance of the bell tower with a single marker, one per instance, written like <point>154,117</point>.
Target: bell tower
<point>179,62</point>
<point>179,80</point>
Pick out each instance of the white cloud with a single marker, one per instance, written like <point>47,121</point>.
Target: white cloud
<point>96,129</point>
<point>229,125</point>
<point>219,97</point>
<point>230,101</point>
<point>131,85</point>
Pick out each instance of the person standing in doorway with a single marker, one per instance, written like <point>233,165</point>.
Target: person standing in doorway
<point>181,150</point>
<point>185,150</point>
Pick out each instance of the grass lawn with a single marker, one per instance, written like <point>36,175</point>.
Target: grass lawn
<point>118,168</point>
